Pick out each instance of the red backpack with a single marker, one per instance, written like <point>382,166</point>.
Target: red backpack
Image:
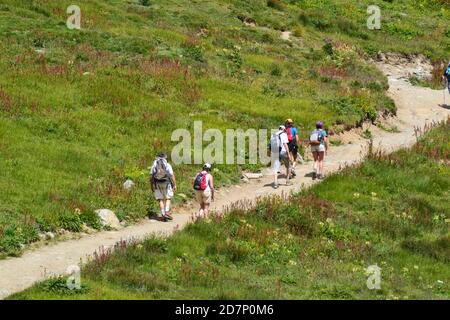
<point>289,134</point>
<point>200,181</point>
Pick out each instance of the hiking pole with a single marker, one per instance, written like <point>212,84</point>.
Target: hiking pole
<point>445,88</point>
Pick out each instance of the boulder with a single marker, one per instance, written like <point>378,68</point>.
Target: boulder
<point>108,218</point>
<point>128,185</point>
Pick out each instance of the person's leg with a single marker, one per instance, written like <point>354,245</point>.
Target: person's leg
<point>201,212</point>
<point>162,208</point>
<point>206,210</point>
<point>287,163</point>
<point>167,206</point>
<point>321,156</point>
<point>276,168</point>
<point>316,162</point>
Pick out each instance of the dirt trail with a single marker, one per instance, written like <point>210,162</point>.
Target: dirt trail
<point>416,107</point>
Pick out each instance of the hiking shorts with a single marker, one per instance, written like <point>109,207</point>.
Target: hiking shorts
<point>163,191</point>
<point>203,196</point>
<point>293,148</point>
<point>318,148</point>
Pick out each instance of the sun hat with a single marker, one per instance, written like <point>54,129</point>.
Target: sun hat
<point>207,166</point>
<point>289,120</point>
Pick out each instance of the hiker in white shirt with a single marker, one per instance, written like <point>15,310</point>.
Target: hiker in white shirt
<point>163,184</point>
<point>280,154</point>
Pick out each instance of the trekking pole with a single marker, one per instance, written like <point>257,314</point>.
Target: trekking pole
<point>445,88</point>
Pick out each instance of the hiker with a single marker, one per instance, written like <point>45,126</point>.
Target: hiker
<point>204,190</point>
<point>319,146</point>
<point>293,143</point>
<point>280,153</point>
<point>446,76</point>
<point>163,184</point>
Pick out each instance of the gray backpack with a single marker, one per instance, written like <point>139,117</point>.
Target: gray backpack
<point>160,172</point>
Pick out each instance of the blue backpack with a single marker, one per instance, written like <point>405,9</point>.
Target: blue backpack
<point>447,72</point>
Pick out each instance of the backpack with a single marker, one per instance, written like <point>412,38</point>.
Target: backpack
<point>160,172</point>
<point>316,138</point>
<point>447,72</point>
<point>289,134</point>
<point>275,142</point>
<point>200,181</point>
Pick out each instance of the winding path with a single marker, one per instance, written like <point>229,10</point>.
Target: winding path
<point>416,107</point>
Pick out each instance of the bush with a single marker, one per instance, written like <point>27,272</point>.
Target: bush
<point>275,4</point>
<point>145,3</point>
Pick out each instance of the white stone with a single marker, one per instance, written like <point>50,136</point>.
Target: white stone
<point>128,185</point>
<point>108,218</point>
<point>250,175</point>
<point>49,235</point>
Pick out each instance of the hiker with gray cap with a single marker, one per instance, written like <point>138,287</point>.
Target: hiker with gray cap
<point>163,184</point>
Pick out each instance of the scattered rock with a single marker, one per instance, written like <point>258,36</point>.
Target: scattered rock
<point>245,179</point>
<point>49,235</point>
<point>86,229</point>
<point>128,185</point>
<point>250,175</point>
<point>286,35</point>
<point>108,218</point>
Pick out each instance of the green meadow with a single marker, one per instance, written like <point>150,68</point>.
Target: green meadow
<point>316,245</point>
<point>83,110</point>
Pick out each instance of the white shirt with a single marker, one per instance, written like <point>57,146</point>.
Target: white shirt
<point>284,140</point>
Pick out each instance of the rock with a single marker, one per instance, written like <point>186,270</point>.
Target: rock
<point>250,175</point>
<point>108,218</point>
<point>128,185</point>
<point>86,229</point>
<point>245,179</point>
<point>49,235</point>
<point>286,35</point>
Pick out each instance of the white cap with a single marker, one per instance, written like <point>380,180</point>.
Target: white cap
<point>207,166</point>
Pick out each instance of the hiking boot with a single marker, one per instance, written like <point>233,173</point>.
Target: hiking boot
<point>293,173</point>
<point>168,216</point>
<point>314,175</point>
<point>321,176</point>
<point>275,186</point>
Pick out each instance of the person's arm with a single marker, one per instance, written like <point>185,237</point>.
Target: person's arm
<point>211,185</point>
<point>286,147</point>
<point>174,182</point>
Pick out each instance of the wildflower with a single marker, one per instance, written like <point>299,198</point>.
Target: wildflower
<point>77,211</point>
<point>356,195</point>
<point>373,194</point>
<point>292,262</point>
<point>416,267</point>
<point>440,282</point>
<point>405,270</point>
<point>139,246</point>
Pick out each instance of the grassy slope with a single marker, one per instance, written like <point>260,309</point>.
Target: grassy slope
<point>68,140</point>
<point>316,246</point>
